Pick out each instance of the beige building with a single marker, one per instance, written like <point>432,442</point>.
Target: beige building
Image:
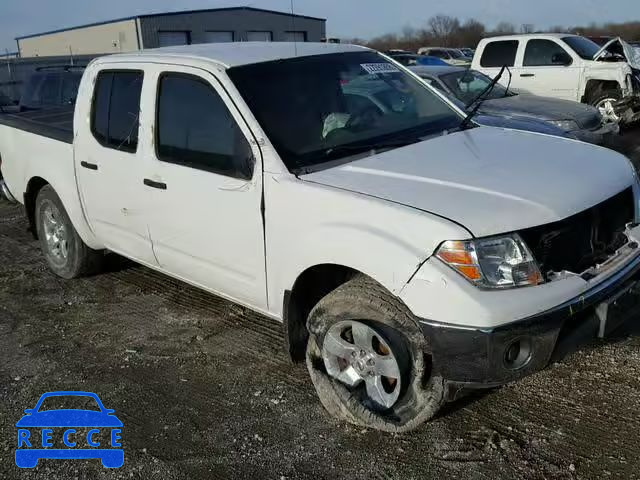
<point>118,36</point>
<point>178,28</point>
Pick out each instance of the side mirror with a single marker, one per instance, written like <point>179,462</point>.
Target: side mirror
<point>561,59</point>
<point>28,411</point>
<point>109,411</point>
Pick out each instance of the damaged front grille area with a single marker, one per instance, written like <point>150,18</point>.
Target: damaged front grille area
<point>584,240</point>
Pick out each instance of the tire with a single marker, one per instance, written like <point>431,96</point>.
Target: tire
<point>71,258</point>
<point>363,301</point>
<point>599,100</point>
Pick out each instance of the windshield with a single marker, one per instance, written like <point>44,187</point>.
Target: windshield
<point>456,54</point>
<point>69,402</point>
<point>584,47</point>
<point>466,85</point>
<point>325,107</point>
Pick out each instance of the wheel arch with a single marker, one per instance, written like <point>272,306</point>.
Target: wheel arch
<point>34,186</point>
<point>595,86</point>
<point>70,200</point>
<point>309,288</point>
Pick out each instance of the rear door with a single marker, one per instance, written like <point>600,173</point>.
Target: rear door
<point>549,70</point>
<point>206,183</point>
<point>109,163</point>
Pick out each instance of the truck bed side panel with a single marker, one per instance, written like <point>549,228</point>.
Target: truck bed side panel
<point>26,155</point>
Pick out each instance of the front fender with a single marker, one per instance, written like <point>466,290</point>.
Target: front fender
<point>386,241</point>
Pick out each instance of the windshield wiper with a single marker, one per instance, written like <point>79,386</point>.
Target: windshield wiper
<point>370,147</point>
<point>479,99</point>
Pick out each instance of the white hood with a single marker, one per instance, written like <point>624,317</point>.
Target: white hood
<point>631,54</point>
<point>489,180</point>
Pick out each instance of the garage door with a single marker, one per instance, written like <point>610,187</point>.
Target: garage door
<point>259,36</point>
<point>295,36</point>
<point>168,39</point>
<point>218,37</point>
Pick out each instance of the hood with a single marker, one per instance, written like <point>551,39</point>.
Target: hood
<point>528,124</point>
<point>543,108</point>
<point>488,179</point>
<point>631,54</point>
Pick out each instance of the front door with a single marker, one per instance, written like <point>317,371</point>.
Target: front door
<point>110,164</point>
<point>207,224</point>
<point>547,70</point>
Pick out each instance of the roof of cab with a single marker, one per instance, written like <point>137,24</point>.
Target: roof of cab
<point>234,54</point>
<point>519,36</point>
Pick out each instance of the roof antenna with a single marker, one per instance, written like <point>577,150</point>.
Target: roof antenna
<point>293,27</point>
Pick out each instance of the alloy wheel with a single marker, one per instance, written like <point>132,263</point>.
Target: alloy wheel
<point>355,353</point>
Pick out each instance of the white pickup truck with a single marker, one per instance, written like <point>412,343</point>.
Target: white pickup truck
<point>410,254</point>
<point>569,67</point>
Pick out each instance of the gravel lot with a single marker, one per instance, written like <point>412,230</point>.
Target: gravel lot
<point>205,390</point>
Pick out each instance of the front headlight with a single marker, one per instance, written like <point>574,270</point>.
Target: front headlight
<point>495,262</point>
<point>566,125</point>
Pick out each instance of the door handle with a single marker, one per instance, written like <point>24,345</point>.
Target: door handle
<point>159,185</point>
<point>527,75</point>
<point>90,166</point>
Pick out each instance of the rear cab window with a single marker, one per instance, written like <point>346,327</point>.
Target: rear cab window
<point>499,53</point>
<point>116,109</point>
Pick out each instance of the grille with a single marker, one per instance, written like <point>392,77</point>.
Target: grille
<point>584,240</point>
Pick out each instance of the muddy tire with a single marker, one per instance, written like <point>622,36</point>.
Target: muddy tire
<point>64,250</point>
<point>361,301</point>
<point>603,99</point>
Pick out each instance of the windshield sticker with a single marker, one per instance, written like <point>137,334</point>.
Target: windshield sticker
<point>374,68</point>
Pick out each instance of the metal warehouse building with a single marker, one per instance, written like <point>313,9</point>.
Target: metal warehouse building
<point>235,24</point>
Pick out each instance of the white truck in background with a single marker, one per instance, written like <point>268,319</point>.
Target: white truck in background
<point>409,253</point>
<point>569,67</point>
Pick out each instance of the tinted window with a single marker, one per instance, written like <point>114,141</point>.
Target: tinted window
<point>116,108</point>
<point>466,85</point>
<point>584,47</point>
<point>541,53</point>
<point>498,54</point>
<point>196,129</point>
<point>100,117</point>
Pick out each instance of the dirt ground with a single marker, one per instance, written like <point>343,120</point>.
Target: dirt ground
<point>205,390</point>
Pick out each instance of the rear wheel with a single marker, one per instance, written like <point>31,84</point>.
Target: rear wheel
<point>369,361</point>
<point>64,250</point>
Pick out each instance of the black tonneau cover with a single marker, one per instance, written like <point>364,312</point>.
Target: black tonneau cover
<point>55,123</point>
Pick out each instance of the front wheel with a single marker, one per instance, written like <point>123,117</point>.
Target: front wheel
<point>67,255</point>
<point>369,361</point>
<point>605,100</point>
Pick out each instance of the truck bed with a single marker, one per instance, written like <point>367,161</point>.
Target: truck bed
<point>55,123</point>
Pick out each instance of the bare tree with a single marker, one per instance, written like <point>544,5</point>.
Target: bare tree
<point>442,28</point>
<point>505,28</point>
<point>527,28</point>
<point>470,33</point>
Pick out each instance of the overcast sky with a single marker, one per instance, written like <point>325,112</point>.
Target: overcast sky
<point>346,18</point>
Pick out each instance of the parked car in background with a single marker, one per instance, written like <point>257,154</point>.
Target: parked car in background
<point>568,67</point>
<point>409,254</point>
<point>467,52</point>
<point>409,59</point>
<point>52,86</point>
<point>450,55</point>
<point>575,120</point>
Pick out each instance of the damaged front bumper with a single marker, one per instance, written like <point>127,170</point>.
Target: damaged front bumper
<point>628,108</point>
<point>600,136</point>
<point>472,358</point>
